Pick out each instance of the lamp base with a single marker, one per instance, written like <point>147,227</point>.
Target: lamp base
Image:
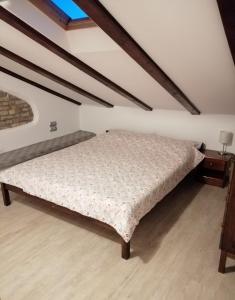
<point>223,152</point>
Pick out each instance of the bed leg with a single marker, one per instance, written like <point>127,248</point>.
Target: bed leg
<point>5,195</point>
<point>125,249</point>
<point>222,262</point>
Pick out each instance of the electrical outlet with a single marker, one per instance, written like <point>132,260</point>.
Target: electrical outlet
<point>53,129</point>
<point>53,123</point>
<point>53,126</point>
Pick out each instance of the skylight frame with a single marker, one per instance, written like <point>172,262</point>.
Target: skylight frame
<point>71,9</point>
<point>62,19</point>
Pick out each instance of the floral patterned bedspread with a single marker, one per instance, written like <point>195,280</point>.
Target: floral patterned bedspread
<point>115,177</point>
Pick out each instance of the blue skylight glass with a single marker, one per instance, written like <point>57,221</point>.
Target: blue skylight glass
<point>70,9</point>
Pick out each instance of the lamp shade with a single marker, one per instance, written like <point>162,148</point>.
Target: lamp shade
<point>226,137</point>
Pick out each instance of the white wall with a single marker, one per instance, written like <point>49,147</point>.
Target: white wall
<point>46,108</point>
<point>177,124</point>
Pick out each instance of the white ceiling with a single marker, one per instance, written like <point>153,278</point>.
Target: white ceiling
<point>186,38</point>
<point>25,72</point>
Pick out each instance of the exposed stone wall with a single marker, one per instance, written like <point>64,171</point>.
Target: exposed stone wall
<point>13,111</point>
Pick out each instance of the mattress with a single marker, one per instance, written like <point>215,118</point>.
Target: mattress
<point>115,177</point>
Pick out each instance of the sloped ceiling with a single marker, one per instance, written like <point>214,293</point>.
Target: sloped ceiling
<point>185,38</point>
<point>25,72</point>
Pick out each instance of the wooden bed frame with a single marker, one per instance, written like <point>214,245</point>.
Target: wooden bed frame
<point>6,188</point>
<point>125,246</point>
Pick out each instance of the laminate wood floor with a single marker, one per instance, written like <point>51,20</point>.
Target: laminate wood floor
<point>45,255</point>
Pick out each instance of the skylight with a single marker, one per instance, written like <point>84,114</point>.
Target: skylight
<point>72,10</point>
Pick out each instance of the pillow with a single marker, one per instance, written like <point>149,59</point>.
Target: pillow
<point>129,133</point>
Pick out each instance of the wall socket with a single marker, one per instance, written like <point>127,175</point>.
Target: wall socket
<point>53,126</point>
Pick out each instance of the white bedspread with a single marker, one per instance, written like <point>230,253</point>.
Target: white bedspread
<point>115,177</point>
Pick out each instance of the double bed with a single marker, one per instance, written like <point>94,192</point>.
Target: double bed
<point>115,178</point>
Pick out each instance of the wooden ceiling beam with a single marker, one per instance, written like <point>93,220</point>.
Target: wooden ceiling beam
<point>23,27</point>
<point>35,84</point>
<point>22,61</point>
<point>95,10</point>
<point>227,12</point>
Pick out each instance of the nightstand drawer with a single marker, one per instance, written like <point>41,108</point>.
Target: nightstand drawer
<point>213,181</point>
<point>213,164</point>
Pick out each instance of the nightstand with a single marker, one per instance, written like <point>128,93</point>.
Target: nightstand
<point>215,168</point>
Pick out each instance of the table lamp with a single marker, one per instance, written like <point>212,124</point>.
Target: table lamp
<point>225,138</point>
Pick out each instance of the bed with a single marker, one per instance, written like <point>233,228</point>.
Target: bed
<point>115,178</point>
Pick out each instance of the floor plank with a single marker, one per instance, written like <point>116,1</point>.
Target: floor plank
<point>175,255</point>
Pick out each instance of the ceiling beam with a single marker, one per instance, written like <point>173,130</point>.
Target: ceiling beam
<point>23,27</point>
<point>227,12</point>
<point>22,61</point>
<point>35,84</point>
<point>95,10</point>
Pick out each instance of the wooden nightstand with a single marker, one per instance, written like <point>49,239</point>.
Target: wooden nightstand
<point>215,168</point>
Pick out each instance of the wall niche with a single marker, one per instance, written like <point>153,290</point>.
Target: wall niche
<point>14,111</point>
